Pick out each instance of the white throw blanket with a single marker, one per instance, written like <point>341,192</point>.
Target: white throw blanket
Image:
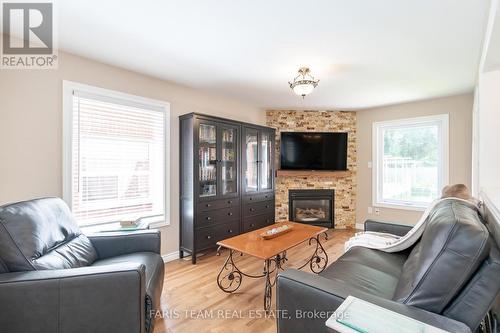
<point>392,243</point>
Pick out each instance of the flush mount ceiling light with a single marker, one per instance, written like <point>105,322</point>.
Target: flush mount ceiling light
<point>304,83</point>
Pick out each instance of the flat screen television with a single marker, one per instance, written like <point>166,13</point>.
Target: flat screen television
<point>313,151</point>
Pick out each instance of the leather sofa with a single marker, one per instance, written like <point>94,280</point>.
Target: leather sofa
<point>53,278</point>
<point>448,279</point>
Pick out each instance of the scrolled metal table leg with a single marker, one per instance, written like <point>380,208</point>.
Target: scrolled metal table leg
<point>281,259</point>
<point>319,259</point>
<point>229,277</point>
<point>268,287</point>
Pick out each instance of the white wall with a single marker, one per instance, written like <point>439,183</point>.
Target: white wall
<point>489,130</point>
<point>486,148</point>
<point>459,109</point>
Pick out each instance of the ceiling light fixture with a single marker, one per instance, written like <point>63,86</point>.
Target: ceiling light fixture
<point>304,83</point>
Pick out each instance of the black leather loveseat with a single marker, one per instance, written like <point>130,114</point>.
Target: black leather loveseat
<point>449,279</point>
<point>55,279</point>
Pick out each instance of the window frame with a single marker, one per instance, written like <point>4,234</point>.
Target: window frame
<point>442,120</point>
<point>68,88</point>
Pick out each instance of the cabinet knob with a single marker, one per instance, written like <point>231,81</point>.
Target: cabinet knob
<point>252,225</point>
<point>208,237</point>
<point>230,231</point>
<point>230,201</point>
<point>208,218</point>
<point>208,205</point>
<point>250,199</point>
<point>252,209</point>
<point>230,214</point>
<point>267,206</point>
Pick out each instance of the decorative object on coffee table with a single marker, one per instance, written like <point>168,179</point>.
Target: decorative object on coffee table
<point>275,232</point>
<point>273,252</point>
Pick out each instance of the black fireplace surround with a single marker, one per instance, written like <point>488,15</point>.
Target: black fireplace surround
<point>313,207</point>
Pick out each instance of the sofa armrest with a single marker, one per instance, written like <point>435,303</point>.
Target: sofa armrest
<point>305,301</point>
<point>88,299</point>
<point>112,244</point>
<point>387,227</point>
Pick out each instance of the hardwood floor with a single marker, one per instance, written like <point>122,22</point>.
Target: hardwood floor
<point>192,301</point>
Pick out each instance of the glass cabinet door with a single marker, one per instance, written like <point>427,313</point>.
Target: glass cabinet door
<point>265,162</point>
<point>207,164</point>
<point>229,161</point>
<point>250,160</point>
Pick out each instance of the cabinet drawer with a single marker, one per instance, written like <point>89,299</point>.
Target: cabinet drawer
<point>258,198</point>
<point>256,222</point>
<point>218,204</point>
<point>209,236</point>
<point>227,230</point>
<point>222,215</point>
<point>259,208</point>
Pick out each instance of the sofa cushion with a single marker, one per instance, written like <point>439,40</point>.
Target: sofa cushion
<point>475,299</point>
<point>371,271</point>
<point>154,271</point>
<point>42,234</point>
<point>453,245</point>
<point>3,267</point>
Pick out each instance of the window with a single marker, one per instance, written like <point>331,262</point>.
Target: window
<point>115,149</point>
<point>410,161</point>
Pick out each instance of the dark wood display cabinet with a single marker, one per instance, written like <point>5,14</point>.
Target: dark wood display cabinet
<point>226,180</point>
<point>257,177</point>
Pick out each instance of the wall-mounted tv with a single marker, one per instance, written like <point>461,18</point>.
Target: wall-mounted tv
<point>313,151</point>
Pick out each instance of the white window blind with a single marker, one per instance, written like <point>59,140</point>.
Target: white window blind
<point>117,159</point>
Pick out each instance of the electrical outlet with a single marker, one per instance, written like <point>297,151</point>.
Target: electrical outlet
<point>370,210</point>
<point>377,211</point>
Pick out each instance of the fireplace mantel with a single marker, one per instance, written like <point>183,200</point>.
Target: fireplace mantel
<point>312,173</point>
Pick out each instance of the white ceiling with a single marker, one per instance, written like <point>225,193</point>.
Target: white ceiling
<point>365,52</point>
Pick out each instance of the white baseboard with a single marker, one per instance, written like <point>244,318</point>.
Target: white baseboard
<point>170,256</point>
<point>360,226</point>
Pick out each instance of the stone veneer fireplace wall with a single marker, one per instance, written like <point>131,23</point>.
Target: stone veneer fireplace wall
<point>344,186</point>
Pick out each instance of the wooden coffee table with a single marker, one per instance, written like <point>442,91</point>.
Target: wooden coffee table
<point>273,252</point>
